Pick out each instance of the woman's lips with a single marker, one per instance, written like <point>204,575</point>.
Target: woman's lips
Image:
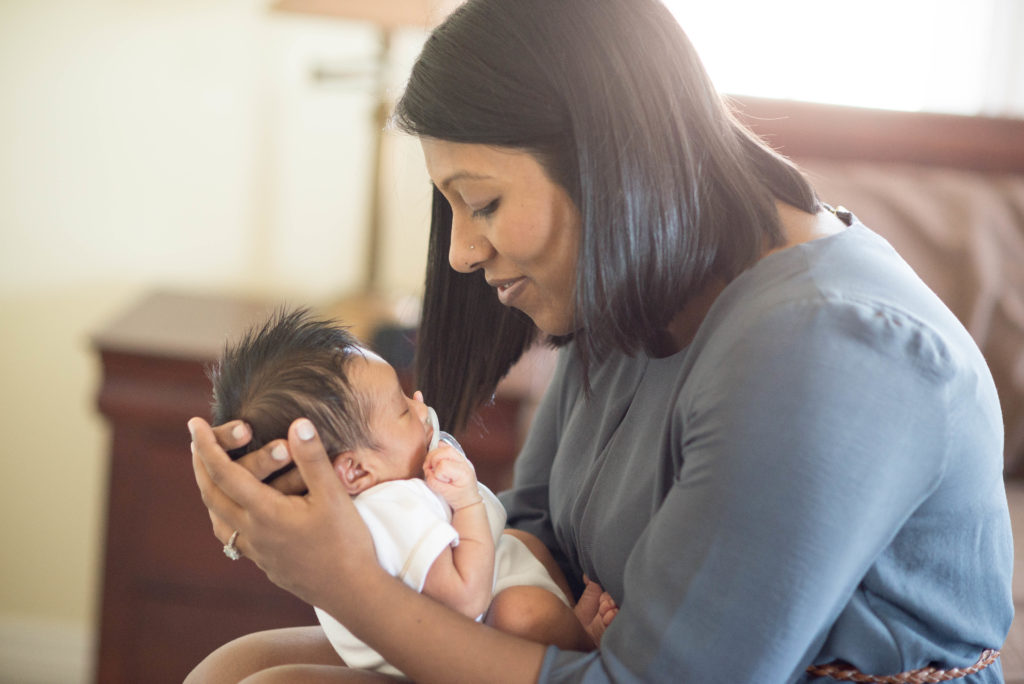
<point>509,290</point>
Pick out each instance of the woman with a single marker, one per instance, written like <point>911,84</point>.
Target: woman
<point>766,439</point>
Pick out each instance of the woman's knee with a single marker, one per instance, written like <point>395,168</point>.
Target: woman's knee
<point>316,674</point>
<point>252,653</point>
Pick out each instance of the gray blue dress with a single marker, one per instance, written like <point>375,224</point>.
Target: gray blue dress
<point>817,476</point>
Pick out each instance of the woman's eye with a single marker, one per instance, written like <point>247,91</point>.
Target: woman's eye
<point>487,210</point>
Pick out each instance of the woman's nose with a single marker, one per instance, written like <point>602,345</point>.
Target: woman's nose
<point>468,249</point>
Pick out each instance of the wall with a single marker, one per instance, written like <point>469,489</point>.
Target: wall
<point>168,143</point>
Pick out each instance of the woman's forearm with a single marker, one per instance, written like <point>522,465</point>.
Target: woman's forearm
<point>428,641</point>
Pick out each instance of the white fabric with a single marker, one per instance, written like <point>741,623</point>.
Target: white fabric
<point>411,526</point>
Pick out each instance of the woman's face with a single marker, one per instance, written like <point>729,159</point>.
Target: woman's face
<point>513,222</point>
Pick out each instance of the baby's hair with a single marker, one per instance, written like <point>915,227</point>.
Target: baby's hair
<point>294,365</point>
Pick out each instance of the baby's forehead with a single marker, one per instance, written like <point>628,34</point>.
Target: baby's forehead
<point>366,354</point>
<point>372,377</point>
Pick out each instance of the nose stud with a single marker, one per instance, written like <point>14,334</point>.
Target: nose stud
<point>472,246</point>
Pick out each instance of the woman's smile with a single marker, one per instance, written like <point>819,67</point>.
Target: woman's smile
<point>509,289</point>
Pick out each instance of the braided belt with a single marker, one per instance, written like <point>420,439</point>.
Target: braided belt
<point>925,675</point>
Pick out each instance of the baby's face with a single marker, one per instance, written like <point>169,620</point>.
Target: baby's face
<point>400,425</point>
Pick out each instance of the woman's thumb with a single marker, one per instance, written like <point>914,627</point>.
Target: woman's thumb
<point>310,457</point>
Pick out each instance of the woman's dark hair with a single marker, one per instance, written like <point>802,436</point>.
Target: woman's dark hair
<point>612,100</point>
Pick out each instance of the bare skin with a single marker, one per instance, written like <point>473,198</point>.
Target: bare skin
<point>284,535</point>
<point>277,651</point>
<point>798,226</point>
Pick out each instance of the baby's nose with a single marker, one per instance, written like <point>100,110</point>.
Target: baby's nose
<point>422,411</point>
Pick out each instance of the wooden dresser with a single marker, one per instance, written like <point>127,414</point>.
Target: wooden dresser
<point>169,594</point>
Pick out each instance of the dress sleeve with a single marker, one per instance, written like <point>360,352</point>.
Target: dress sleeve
<point>806,446</point>
<point>527,503</point>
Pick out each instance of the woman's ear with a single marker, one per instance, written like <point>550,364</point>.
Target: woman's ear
<point>353,474</point>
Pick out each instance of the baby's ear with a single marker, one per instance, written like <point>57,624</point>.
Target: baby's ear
<point>354,477</point>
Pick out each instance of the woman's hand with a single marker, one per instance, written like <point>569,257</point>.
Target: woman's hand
<point>314,545</point>
<point>263,462</point>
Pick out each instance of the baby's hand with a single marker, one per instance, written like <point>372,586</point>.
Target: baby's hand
<point>451,475</point>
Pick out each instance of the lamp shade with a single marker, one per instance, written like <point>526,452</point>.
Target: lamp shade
<point>385,13</point>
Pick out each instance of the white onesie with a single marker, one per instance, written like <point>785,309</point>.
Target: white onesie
<point>411,526</point>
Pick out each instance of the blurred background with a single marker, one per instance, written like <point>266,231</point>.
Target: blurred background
<point>227,148</point>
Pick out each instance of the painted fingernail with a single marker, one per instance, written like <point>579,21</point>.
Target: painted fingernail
<point>238,432</point>
<point>305,430</point>
<point>279,453</point>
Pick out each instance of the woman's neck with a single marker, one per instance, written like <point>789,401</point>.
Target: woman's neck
<point>797,226</point>
<point>683,326</point>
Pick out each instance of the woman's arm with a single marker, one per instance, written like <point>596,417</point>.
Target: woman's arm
<point>317,547</point>
<point>804,449</point>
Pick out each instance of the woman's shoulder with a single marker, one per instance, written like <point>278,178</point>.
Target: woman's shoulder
<point>832,303</point>
<point>851,285</point>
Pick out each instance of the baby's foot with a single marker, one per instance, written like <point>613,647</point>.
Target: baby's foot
<point>606,612</point>
<point>595,610</point>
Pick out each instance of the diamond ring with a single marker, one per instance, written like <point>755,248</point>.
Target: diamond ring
<point>230,550</point>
